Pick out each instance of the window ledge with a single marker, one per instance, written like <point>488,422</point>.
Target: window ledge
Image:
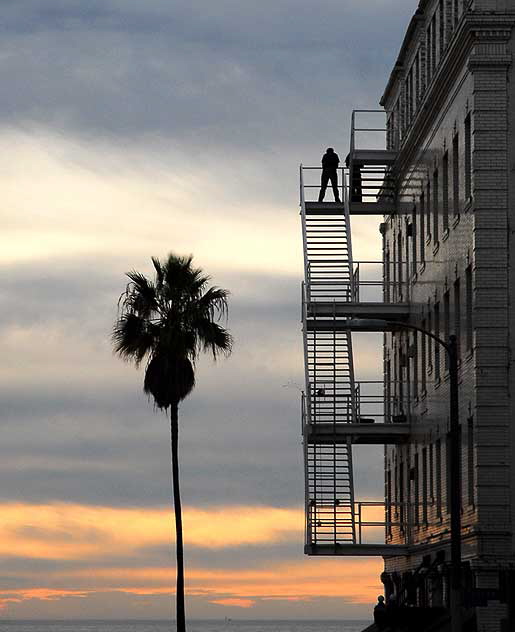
<point>468,204</point>
<point>422,267</point>
<point>436,248</point>
<point>445,235</point>
<point>428,239</point>
<point>456,220</point>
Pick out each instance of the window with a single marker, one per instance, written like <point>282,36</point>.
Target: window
<point>389,502</point>
<point>401,495</point>
<point>414,243</point>
<point>428,53</point>
<point>436,345</point>
<point>416,499</point>
<point>428,209</point>
<point>446,323</point>
<point>468,158</point>
<point>456,174</point>
<point>414,355</point>
<point>388,380</point>
<point>429,340</point>
<point>457,314</point>
<point>423,359</point>
<point>418,80</point>
<point>435,206</point>
<point>441,13</point>
<point>433,43</point>
<point>431,473</point>
<point>445,185</point>
<point>448,473</point>
<point>470,461</point>
<point>424,485</point>
<point>469,324</point>
<point>400,275</point>
<point>422,235</point>
<point>438,477</point>
<point>456,11</point>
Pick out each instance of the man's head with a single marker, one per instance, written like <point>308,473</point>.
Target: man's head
<point>380,599</point>
<point>330,150</point>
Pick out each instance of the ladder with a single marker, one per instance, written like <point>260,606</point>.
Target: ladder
<point>329,372</point>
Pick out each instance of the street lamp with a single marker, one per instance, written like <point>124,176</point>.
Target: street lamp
<point>451,348</point>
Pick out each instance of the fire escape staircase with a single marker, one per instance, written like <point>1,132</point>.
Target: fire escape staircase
<point>332,412</point>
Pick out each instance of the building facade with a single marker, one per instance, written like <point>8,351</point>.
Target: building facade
<point>449,254</point>
<point>443,191</point>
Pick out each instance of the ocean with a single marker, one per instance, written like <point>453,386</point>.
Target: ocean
<point>193,626</point>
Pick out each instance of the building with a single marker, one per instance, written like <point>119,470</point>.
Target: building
<point>443,187</point>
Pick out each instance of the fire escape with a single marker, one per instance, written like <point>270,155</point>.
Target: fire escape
<point>338,411</point>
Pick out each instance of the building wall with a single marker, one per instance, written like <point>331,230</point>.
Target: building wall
<point>451,105</point>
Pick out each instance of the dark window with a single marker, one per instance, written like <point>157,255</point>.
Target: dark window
<point>468,158</point>
<point>423,359</point>
<point>441,13</point>
<point>470,461</point>
<point>438,477</point>
<point>389,501</point>
<point>435,207</point>
<point>428,54</point>
<point>433,43</point>
<point>436,345</point>
<point>428,208</point>
<point>429,340</point>
<point>456,11</point>
<point>414,243</point>
<point>457,313</point>
<point>421,232</point>
<point>416,499</point>
<point>424,484</point>
<point>468,308</point>
<point>445,185</point>
<point>414,355</point>
<point>431,473</point>
<point>446,323</point>
<point>456,174</point>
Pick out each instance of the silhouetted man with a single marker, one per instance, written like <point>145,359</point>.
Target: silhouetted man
<point>380,616</point>
<point>330,162</point>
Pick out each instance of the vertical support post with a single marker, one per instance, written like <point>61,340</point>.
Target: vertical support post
<point>455,484</point>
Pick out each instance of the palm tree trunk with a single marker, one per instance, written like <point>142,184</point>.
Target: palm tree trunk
<point>179,548</point>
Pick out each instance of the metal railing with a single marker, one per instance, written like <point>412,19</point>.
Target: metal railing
<point>311,186</point>
<point>370,183</point>
<point>382,282</point>
<point>371,281</point>
<point>372,520</point>
<point>368,404</point>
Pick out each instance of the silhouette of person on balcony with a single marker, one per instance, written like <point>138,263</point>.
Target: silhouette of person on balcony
<point>330,162</point>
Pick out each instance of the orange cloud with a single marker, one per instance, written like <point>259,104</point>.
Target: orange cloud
<point>238,603</point>
<point>67,531</point>
<point>76,532</point>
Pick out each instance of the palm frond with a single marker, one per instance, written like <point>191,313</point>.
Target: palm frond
<point>132,337</point>
<point>212,337</point>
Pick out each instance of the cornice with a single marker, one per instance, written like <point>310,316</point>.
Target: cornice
<point>480,41</point>
<point>489,27</point>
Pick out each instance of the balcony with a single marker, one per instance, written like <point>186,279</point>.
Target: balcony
<point>375,290</point>
<point>325,534</point>
<point>367,416</point>
<point>372,180</point>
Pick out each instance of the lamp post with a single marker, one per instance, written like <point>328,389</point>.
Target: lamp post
<point>451,348</point>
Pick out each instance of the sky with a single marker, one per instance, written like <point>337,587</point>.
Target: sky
<point>131,129</point>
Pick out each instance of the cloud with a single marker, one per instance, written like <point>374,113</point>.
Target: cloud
<point>129,130</point>
<point>237,602</point>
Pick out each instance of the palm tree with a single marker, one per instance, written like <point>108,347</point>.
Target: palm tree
<point>168,322</point>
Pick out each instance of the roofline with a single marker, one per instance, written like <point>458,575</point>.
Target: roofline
<point>399,64</point>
